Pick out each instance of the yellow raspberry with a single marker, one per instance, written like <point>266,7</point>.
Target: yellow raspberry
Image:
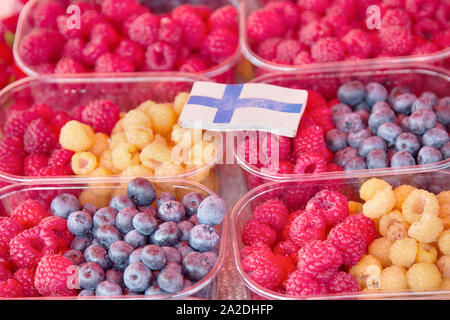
<point>145,106</point>
<point>140,137</point>
<point>154,154</point>
<point>418,203</point>
<point>427,229</point>
<point>179,102</point>
<point>426,253</point>
<point>444,203</point>
<point>389,219</point>
<point>76,136</point>
<point>381,203</point>
<point>117,139</point>
<point>163,117</point>
<point>160,139</point>
<point>125,155</point>
<point>403,252</point>
<point>371,187</point>
<point>118,127</point>
<point>137,170</point>
<point>105,161</point>
<point>83,163</point>
<point>393,278</point>
<point>444,242</point>
<point>401,193</point>
<point>445,221</point>
<point>397,231</point>
<point>424,276</point>
<point>445,284</point>
<point>197,173</point>
<point>101,143</point>
<point>168,169</point>
<point>196,154</point>
<point>354,207</point>
<point>367,272</point>
<point>119,191</point>
<point>88,196</point>
<point>443,265</point>
<point>186,137</point>
<point>99,188</point>
<point>380,249</point>
<point>136,119</point>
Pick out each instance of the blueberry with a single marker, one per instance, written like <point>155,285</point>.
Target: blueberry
<point>171,211</point>
<point>163,197</point>
<point>350,122</point>
<point>338,110</point>
<point>363,106</point>
<point>355,163</point>
<point>79,223</point>
<point>191,201</point>
<point>421,121</point>
<point>185,228</point>
<point>154,290</point>
<point>167,234</point>
<point>135,239</point>
<point>211,257</point>
<point>97,254</point>
<point>364,115</point>
<point>377,159</point>
<point>355,138</point>
<point>445,101</point>
<point>115,276</point>
<point>107,288</point>
<point>149,210</point>
<point>439,125</point>
<point>187,283</point>
<point>375,92</point>
<point>422,103</point>
<point>86,293</point>
<point>137,277</point>
<point>389,132</point>
<point>396,92</point>
<point>120,202</point>
<point>203,238</point>
<point>351,92</point>
<point>402,159</point>
<point>445,150</point>
<point>105,216</point>
<point>370,144</point>
<point>90,275</point>
<point>196,266</point>
<point>428,155</point>
<point>170,280</point>
<point>212,211</point>
<point>336,139</point>
<point>144,223</point>
<point>435,137</point>
<point>81,243</point>
<point>172,255</point>
<point>141,191</point>
<point>184,248</point>
<point>106,235</point>
<point>443,113</point>
<point>380,105</point>
<point>89,208</point>
<point>64,204</point>
<point>135,256</point>
<point>403,122</point>
<point>75,256</point>
<point>193,219</point>
<point>403,103</point>
<point>379,117</point>
<point>119,252</point>
<point>154,257</point>
<point>342,156</point>
<point>430,95</point>
<point>407,141</point>
<point>124,219</point>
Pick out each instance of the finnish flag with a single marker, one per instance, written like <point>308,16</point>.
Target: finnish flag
<point>251,106</point>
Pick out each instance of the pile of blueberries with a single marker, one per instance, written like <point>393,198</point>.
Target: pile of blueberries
<point>133,248</point>
<point>378,129</point>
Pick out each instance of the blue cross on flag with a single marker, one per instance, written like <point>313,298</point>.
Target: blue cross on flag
<point>250,106</point>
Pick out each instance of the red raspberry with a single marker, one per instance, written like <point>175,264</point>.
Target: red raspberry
<point>310,162</point>
<point>264,24</point>
<point>193,27</point>
<point>283,167</point>
<point>160,56</point>
<point>287,266</point>
<point>255,232</point>
<point>224,17</point>
<point>55,171</point>
<point>56,228</point>
<point>310,139</point>
<point>328,50</point>
<point>40,45</point>
<point>68,65</point>
<point>365,225</point>
<point>396,17</point>
<point>287,10</point>
<point>342,282</point>
<point>307,121</point>
<point>5,273</point>
<point>39,137</point>
<point>349,240</point>
<point>111,62</point>
<point>25,277</point>
<point>60,158</point>
<point>106,31</point>
<point>170,32</point>
<point>303,57</point>
<point>60,118</point>
<point>301,284</point>
<point>73,48</point>
<point>119,10</point>
<point>297,195</point>
<point>315,100</point>
<point>131,51</point>
<point>313,31</point>
<point>43,110</point>
<point>396,41</point>
<point>33,163</point>
<point>332,167</point>
<point>84,5</point>
<point>442,39</point>
<point>323,117</point>
<point>144,29</point>
<point>94,49</point>
<point>425,48</point>
<point>287,248</point>
<point>257,247</point>
<point>11,164</point>
<point>28,247</point>
<point>273,213</point>
<point>332,205</point>
<point>45,13</point>
<point>287,50</point>
<point>64,29</point>
<point>10,146</point>
<point>193,65</point>
<point>9,228</point>
<point>358,43</point>
<point>263,268</point>
<point>248,150</point>
<point>426,28</point>
<point>442,15</point>
<point>220,44</point>
<point>267,49</point>
<point>318,6</point>
<point>282,144</point>
<point>11,288</point>
<point>17,123</point>
<point>52,276</point>
<point>29,213</point>
<point>89,19</point>
<point>202,11</point>
<point>101,115</point>
<point>284,235</point>
<point>307,227</point>
<point>76,113</point>
<point>420,9</point>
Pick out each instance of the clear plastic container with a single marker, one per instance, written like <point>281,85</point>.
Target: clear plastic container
<point>416,78</point>
<point>224,72</point>
<point>433,181</point>
<point>65,93</point>
<point>262,66</point>
<point>14,195</point>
